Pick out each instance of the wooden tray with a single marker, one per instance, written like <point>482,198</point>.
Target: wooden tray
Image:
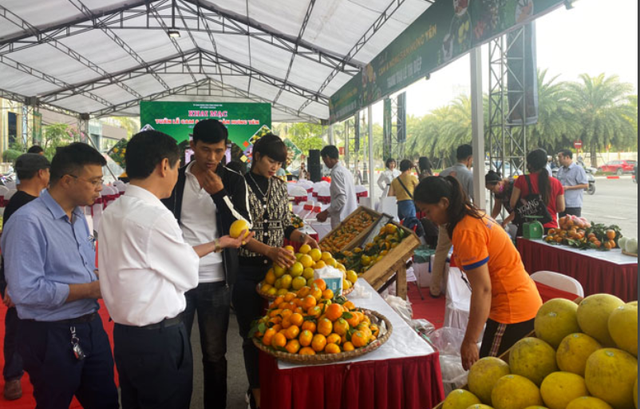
<point>630,254</point>
<point>319,359</point>
<point>358,238</point>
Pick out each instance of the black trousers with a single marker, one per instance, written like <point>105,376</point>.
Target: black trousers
<point>249,306</point>
<point>55,372</point>
<point>155,366</point>
<point>498,337</point>
<point>575,211</point>
<point>211,301</point>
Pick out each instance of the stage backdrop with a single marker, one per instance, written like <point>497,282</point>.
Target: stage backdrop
<point>243,120</point>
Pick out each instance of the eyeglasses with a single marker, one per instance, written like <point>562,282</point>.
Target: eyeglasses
<point>96,183</point>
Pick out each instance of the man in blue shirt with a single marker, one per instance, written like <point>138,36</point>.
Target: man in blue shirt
<point>49,261</point>
<point>574,180</point>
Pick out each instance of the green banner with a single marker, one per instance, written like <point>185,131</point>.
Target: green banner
<point>177,119</point>
<point>445,31</point>
<point>36,136</point>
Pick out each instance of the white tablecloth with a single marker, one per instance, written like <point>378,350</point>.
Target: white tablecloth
<point>614,256</point>
<point>403,343</point>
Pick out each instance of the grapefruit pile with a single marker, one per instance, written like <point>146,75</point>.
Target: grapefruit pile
<point>583,357</point>
<point>280,281</point>
<point>313,321</point>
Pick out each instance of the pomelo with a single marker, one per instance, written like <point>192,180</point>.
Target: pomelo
<point>483,376</point>
<point>573,352</point>
<point>556,319</point>
<point>479,406</point>
<point>515,392</point>
<point>593,316</point>
<point>237,227</point>
<point>460,399</point>
<point>635,394</point>
<point>588,402</point>
<point>560,388</point>
<point>610,375</point>
<point>623,328</point>
<point>532,358</point>
<point>536,407</point>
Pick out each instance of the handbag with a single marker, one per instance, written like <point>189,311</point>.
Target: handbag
<point>532,205</point>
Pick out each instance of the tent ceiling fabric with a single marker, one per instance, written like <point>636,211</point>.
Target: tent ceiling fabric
<point>102,57</point>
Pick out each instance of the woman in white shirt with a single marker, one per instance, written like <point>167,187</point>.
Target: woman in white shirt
<point>385,179</point>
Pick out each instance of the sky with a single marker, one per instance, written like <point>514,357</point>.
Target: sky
<point>594,37</point>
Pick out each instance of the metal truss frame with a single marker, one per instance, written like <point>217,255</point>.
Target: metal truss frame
<point>507,141</point>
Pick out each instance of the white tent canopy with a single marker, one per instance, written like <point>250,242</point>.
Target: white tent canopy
<point>102,57</point>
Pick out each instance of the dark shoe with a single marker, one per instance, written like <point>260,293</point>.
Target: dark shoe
<point>435,296</point>
<point>13,390</point>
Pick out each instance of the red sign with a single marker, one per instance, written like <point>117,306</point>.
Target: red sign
<point>341,150</point>
<point>577,144</point>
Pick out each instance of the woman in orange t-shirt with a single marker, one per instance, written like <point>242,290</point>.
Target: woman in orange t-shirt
<point>502,294</point>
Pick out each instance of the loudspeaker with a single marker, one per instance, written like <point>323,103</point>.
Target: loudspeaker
<point>315,172</point>
<point>314,155</point>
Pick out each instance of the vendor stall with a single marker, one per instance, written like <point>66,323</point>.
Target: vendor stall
<point>402,373</point>
<point>598,271</point>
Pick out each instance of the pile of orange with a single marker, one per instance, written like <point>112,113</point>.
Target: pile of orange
<point>335,241</point>
<point>312,321</point>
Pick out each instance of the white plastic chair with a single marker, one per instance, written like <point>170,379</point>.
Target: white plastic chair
<point>559,281</point>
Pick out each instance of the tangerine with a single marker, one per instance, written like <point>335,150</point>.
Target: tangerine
<point>359,339</point>
<point>306,351</point>
<point>332,349</point>
<point>296,319</point>
<point>292,332</point>
<point>268,334</point>
<point>341,326</point>
<point>348,306</point>
<point>325,326</point>
<point>316,293</point>
<point>292,346</point>
<point>303,292</point>
<point>315,312</point>
<point>309,326</point>
<point>334,339</point>
<point>305,338</point>
<point>318,342</point>
<point>278,340</point>
<point>309,302</point>
<point>347,346</point>
<point>334,311</point>
<point>320,284</point>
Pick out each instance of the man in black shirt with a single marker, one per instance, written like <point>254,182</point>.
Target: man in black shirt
<point>33,173</point>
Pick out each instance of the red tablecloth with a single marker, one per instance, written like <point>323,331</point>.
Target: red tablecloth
<point>596,275</point>
<point>408,383</point>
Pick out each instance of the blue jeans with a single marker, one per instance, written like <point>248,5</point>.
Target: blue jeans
<point>211,301</point>
<point>406,208</point>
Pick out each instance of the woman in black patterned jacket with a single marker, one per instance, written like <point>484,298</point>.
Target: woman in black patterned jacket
<point>269,207</point>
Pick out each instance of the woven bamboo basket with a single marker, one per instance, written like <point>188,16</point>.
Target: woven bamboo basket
<point>319,359</point>
<point>273,297</point>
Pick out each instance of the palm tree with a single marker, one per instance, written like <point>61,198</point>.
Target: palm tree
<point>556,126</point>
<point>456,127</point>
<point>601,107</point>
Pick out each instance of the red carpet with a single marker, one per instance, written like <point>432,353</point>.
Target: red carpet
<point>430,309</point>
<point>27,401</point>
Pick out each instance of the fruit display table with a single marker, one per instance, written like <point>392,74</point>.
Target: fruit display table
<point>598,271</point>
<point>402,373</point>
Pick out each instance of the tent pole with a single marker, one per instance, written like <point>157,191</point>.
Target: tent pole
<point>477,126</point>
<point>372,184</point>
<point>331,134</point>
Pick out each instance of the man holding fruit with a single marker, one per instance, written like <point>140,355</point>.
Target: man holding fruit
<point>207,199</point>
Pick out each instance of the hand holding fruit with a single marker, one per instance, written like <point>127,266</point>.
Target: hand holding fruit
<point>310,241</point>
<point>282,257</point>
<point>241,240</point>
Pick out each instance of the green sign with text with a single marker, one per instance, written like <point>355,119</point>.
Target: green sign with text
<point>445,31</point>
<point>177,119</point>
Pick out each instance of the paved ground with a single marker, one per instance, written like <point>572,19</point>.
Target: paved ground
<point>615,202</point>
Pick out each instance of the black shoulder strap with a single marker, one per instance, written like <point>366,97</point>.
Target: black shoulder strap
<point>405,188</point>
<point>526,177</point>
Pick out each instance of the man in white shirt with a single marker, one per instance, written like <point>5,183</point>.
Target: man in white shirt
<point>207,198</point>
<point>146,267</point>
<point>343,190</point>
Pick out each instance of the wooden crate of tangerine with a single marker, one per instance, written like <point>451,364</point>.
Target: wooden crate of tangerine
<point>351,230</point>
<point>381,253</point>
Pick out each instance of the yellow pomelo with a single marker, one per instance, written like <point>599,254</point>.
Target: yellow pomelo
<point>515,392</point>
<point>573,352</point>
<point>352,276</point>
<point>623,328</point>
<point>316,254</point>
<point>479,406</point>
<point>532,358</point>
<point>282,291</point>
<point>483,376</point>
<point>588,402</point>
<point>610,376</point>
<point>305,249</point>
<point>593,316</point>
<point>560,388</point>
<point>270,278</point>
<point>536,407</point>
<point>285,281</point>
<point>290,248</point>
<point>298,283</point>
<point>460,399</point>
<point>555,320</point>
<point>278,270</point>
<point>278,283</point>
<point>296,269</point>
<point>237,227</point>
<point>265,287</point>
<point>272,291</point>
<point>307,273</point>
<point>633,303</point>
<point>326,256</point>
<point>306,261</point>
